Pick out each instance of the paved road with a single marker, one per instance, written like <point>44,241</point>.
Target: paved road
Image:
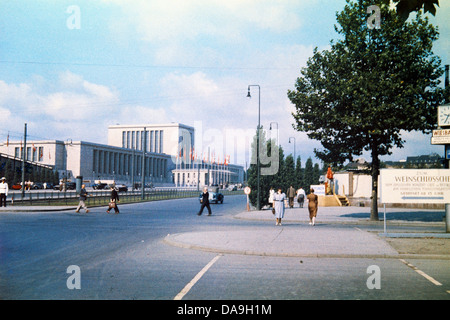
<point>141,254</point>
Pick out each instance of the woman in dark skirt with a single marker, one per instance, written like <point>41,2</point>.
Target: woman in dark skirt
<point>114,199</point>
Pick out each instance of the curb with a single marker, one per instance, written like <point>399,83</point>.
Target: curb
<point>349,222</point>
<point>168,240</point>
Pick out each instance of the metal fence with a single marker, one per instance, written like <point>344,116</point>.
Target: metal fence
<point>102,197</point>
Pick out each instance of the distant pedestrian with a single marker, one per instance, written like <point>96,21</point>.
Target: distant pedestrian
<point>205,202</point>
<point>278,199</point>
<point>83,197</point>
<point>291,194</point>
<point>271,193</point>
<point>301,197</point>
<point>113,200</point>
<point>4,189</point>
<point>313,204</point>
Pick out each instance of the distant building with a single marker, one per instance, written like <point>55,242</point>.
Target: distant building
<point>168,148</point>
<point>92,161</point>
<point>425,161</point>
<point>172,138</point>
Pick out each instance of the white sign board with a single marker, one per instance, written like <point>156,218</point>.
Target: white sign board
<point>415,185</point>
<point>318,189</point>
<point>441,136</point>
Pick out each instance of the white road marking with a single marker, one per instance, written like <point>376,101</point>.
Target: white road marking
<point>189,286</point>
<point>423,274</point>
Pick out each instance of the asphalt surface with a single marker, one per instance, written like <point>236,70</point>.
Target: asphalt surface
<point>156,250</point>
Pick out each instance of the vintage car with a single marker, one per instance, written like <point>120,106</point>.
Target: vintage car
<point>122,188</point>
<point>214,195</point>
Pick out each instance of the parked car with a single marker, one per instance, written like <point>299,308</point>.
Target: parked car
<point>122,188</point>
<point>99,186</point>
<point>49,185</point>
<point>16,186</point>
<point>37,185</point>
<point>71,185</point>
<point>214,195</point>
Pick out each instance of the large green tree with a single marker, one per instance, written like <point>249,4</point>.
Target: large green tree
<point>405,7</point>
<point>369,87</point>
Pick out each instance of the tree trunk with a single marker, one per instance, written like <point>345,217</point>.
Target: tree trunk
<point>375,173</point>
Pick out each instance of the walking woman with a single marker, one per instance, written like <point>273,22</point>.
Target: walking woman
<point>278,199</point>
<point>113,201</point>
<point>313,204</point>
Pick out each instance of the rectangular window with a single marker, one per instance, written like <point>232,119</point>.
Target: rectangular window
<point>156,141</point>
<point>41,153</point>
<point>151,141</point>
<point>94,161</point>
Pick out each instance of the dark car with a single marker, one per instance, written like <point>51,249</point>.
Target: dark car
<point>37,185</point>
<point>122,188</point>
<point>71,185</point>
<point>214,195</point>
<point>99,186</point>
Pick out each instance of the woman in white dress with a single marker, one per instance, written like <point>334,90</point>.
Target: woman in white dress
<point>278,200</point>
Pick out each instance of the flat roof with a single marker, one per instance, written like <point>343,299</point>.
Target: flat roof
<point>160,125</point>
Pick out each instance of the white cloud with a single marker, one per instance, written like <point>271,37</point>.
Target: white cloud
<point>161,20</point>
<point>49,106</point>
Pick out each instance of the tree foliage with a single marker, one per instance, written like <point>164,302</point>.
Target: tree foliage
<point>372,85</point>
<point>285,175</point>
<point>405,7</point>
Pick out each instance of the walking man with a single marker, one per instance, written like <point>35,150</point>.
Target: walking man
<point>291,195</point>
<point>3,192</point>
<point>205,202</point>
<point>83,197</point>
<point>301,197</point>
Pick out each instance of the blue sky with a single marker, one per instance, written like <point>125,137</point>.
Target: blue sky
<point>71,68</point>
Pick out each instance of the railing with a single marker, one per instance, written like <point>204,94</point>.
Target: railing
<point>101,197</point>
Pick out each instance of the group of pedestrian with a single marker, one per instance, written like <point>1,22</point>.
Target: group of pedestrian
<point>278,203</point>
<point>114,199</point>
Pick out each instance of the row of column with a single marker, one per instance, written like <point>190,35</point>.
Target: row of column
<point>124,164</point>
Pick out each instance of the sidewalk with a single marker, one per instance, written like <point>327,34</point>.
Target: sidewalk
<point>30,209</point>
<point>335,235</point>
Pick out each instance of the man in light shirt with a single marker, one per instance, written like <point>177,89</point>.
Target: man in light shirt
<point>3,191</point>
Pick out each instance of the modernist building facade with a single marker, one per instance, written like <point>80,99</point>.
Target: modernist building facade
<point>204,174</point>
<point>171,138</point>
<point>132,150</point>
<point>93,161</point>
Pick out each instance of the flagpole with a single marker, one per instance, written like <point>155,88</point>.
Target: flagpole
<point>23,159</point>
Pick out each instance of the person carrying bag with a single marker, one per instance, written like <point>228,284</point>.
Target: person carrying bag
<point>113,201</point>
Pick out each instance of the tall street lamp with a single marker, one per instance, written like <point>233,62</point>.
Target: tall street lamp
<point>258,201</point>
<point>294,147</point>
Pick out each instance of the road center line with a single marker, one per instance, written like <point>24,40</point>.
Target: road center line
<point>189,286</point>
<point>423,274</point>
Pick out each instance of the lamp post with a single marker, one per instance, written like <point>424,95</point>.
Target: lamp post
<point>258,201</point>
<point>277,130</point>
<point>294,147</point>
